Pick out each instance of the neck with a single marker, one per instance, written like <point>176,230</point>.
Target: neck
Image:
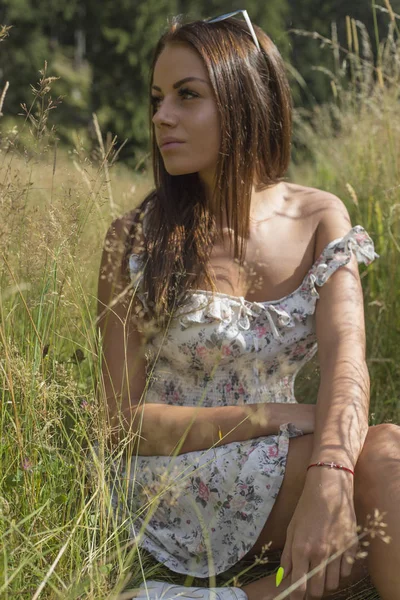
<point>264,200</point>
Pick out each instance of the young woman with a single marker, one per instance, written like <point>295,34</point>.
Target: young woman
<point>212,295</point>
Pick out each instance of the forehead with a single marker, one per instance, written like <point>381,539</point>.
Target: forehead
<point>176,62</point>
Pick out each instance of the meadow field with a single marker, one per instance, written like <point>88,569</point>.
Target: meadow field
<point>59,536</point>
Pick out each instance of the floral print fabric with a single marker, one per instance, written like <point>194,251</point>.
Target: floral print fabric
<point>201,512</point>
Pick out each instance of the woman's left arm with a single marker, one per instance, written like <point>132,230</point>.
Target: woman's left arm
<point>343,396</point>
<point>324,520</point>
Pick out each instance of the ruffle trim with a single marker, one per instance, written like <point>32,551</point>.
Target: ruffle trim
<point>204,307</point>
<point>290,430</point>
<point>338,253</point>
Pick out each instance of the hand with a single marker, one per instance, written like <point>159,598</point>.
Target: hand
<point>323,524</point>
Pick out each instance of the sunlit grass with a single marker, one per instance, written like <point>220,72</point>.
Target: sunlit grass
<point>355,147</point>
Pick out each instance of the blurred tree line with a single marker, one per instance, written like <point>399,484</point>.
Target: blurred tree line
<point>102,50</point>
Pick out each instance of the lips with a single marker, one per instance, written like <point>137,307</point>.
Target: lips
<point>166,141</point>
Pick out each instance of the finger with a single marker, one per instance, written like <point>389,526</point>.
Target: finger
<point>299,581</point>
<point>316,583</point>
<point>347,564</point>
<point>286,557</point>
<point>332,575</point>
<point>348,560</point>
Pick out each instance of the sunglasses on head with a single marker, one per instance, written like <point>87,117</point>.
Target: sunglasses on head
<point>247,19</point>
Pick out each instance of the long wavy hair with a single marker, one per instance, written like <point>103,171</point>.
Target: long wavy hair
<point>254,102</point>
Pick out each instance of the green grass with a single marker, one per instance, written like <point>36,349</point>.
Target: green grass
<point>59,538</point>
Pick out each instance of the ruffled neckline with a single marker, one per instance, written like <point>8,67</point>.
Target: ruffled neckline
<point>202,306</point>
<point>242,299</point>
<point>364,251</point>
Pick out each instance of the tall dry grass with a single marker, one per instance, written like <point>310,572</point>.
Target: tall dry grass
<point>354,143</point>
<point>59,536</point>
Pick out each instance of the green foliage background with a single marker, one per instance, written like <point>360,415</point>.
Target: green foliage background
<point>102,53</point>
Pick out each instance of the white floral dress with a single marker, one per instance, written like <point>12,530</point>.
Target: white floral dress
<point>223,350</point>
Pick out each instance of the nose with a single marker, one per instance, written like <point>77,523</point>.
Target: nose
<point>164,116</point>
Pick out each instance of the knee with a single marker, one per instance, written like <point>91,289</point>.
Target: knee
<point>383,438</point>
<point>381,450</point>
<point>378,468</point>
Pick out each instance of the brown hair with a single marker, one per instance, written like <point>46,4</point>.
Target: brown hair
<point>255,107</point>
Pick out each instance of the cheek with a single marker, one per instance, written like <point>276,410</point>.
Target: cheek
<point>208,131</point>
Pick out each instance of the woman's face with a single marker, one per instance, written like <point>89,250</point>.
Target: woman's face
<point>186,111</point>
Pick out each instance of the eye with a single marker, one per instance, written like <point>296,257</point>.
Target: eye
<point>185,91</point>
<point>182,92</point>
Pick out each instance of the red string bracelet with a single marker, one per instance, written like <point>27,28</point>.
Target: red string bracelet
<point>331,465</point>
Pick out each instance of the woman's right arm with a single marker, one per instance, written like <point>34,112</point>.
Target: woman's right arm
<point>160,429</point>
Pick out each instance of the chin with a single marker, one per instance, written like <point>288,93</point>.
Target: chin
<point>179,171</point>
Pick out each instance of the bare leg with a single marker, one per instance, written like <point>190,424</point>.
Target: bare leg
<point>379,467</point>
<point>264,588</point>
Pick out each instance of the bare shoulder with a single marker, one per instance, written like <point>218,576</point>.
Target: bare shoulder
<point>122,232</point>
<point>121,227</point>
<point>314,202</point>
<point>327,212</point>
<point>119,239</point>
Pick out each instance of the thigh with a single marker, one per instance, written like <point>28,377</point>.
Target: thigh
<point>274,531</point>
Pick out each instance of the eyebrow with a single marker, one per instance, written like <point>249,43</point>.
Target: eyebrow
<point>179,83</point>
